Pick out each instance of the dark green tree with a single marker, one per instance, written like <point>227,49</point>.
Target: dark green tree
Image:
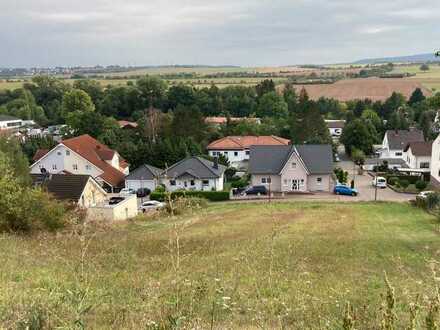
<point>264,87</point>
<point>357,135</point>
<point>416,97</point>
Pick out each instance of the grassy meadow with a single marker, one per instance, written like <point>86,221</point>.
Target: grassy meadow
<point>229,266</point>
<point>430,79</point>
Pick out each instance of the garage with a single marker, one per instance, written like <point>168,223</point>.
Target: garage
<point>145,176</point>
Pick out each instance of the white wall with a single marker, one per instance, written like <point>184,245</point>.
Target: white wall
<point>124,210</point>
<point>324,185</point>
<point>297,172</point>
<point>60,157</point>
<point>435,160</point>
<point>414,161</point>
<point>9,124</point>
<point>137,184</point>
<point>212,184</point>
<point>235,157</point>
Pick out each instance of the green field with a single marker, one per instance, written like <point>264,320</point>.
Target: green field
<point>431,78</point>
<point>249,266</point>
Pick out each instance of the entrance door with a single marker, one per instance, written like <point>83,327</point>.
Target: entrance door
<point>295,184</point>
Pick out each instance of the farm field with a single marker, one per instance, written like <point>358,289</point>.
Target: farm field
<point>229,266</point>
<point>429,79</point>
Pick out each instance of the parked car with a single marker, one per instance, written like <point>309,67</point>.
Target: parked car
<point>345,190</point>
<point>127,191</point>
<point>143,192</point>
<point>379,182</point>
<point>151,206</point>
<point>425,194</point>
<point>115,200</point>
<point>256,190</point>
<point>238,191</point>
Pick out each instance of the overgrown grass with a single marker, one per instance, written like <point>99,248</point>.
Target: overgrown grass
<point>249,265</point>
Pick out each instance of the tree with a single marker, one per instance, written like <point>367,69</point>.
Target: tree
<point>392,104</point>
<point>86,122</point>
<point>152,91</point>
<point>189,122</point>
<point>264,87</point>
<point>272,105</point>
<point>416,97</point>
<point>76,100</point>
<point>397,121</point>
<point>93,88</point>
<point>358,156</point>
<point>19,165</point>
<point>424,67</point>
<point>426,123</point>
<point>356,135</point>
<point>372,117</point>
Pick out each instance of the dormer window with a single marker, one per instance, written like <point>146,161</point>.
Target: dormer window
<point>293,165</point>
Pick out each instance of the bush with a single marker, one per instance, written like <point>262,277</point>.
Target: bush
<point>403,183</point>
<point>421,185</point>
<point>160,189</point>
<point>341,175</point>
<point>183,204</point>
<point>213,196</point>
<point>393,180</point>
<point>412,179</point>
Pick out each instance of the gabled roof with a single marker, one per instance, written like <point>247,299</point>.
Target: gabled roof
<point>335,123</point>
<point>63,186</point>
<point>144,172</point>
<point>245,142</point>
<point>398,139</point>
<point>98,154</point>
<point>40,153</point>
<point>127,124</point>
<point>317,159</point>
<point>195,166</point>
<point>419,148</point>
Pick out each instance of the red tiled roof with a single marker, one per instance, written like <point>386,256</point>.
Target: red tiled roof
<point>40,153</point>
<point>125,123</point>
<point>97,154</point>
<point>245,142</point>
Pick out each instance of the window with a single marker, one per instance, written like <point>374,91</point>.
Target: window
<point>266,180</point>
<point>193,183</point>
<point>226,153</point>
<point>54,166</point>
<point>424,165</point>
<point>248,152</point>
<point>263,180</point>
<point>205,182</point>
<point>398,154</point>
<point>67,152</point>
<point>293,165</point>
<point>172,182</point>
<point>75,167</point>
<point>59,153</point>
<point>88,167</point>
<point>235,153</point>
<point>319,180</point>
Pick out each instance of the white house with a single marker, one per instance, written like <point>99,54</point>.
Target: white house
<point>435,162</point>
<point>335,127</point>
<point>9,122</point>
<point>83,155</point>
<point>145,176</point>
<point>395,141</point>
<point>293,168</point>
<point>418,155</point>
<point>237,148</point>
<point>194,173</point>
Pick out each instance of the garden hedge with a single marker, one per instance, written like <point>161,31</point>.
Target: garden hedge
<point>213,196</point>
<point>412,179</point>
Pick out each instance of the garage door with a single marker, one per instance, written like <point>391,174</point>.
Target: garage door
<point>137,184</point>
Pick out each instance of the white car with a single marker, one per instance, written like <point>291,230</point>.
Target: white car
<point>151,206</point>
<point>425,194</point>
<point>379,182</point>
<point>127,191</point>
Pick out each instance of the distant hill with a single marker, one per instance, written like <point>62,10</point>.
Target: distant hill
<point>419,58</point>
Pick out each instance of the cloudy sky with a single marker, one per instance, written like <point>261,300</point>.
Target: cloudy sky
<point>235,32</point>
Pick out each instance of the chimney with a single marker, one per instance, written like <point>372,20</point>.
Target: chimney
<point>215,166</point>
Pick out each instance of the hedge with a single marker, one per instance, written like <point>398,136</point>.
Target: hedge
<point>412,179</point>
<point>213,196</point>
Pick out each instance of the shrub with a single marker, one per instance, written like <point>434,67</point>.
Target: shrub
<point>341,175</point>
<point>230,173</point>
<point>213,196</point>
<point>393,180</point>
<point>160,189</point>
<point>404,184</point>
<point>420,185</point>
<point>183,204</point>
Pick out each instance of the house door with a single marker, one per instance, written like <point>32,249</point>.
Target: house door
<point>295,185</point>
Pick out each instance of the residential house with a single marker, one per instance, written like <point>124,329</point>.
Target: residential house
<point>418,155</point>
<point>81,190</point>
<point>335,127</point>
<point>395,141</point>
<point>292,168</point>
<point>124,124</point>
<point>86,156</point>
<point>9,122</point>
<point>392,163</point>
<point>435,162</point>
<point>218,121</point>
<point>237,148</point>
<point>194,173</point>
<point>145,176</point>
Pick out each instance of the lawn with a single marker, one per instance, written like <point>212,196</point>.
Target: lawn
<point>249,266</point>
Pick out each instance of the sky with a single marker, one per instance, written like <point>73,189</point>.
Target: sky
<point>51,33</point>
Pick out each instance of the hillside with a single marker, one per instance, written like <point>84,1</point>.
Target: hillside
<point>249,266</point>
<point>419,58</point>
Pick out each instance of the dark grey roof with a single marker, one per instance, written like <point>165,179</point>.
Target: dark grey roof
<point>317,158</point>
<point>197,167</point>
<point>398,139</point>
<point>144,172</point>
<point>390,161</point>
<point>7,118</point>
<point>335,123</point>
<point>62,186</point>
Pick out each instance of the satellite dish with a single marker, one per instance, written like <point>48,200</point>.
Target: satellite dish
<point>43,170</point>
